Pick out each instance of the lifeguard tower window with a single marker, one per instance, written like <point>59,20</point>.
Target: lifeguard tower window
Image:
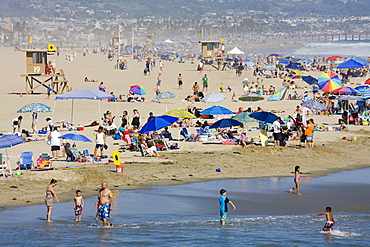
<point>39,57</point>
<point>212,46</point>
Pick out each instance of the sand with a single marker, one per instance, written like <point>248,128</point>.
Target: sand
<point>192,162</point>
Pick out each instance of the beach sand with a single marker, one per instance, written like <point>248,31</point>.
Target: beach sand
<point>193,162</point>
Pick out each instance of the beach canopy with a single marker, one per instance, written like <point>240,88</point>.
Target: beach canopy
<point>351,64</point>
<point>8,141</point>
<point>168,41</point>
<point>85,94</point>
<point>158,123</point>
<point>34,107</point>
<point>235,51</point>
<point>75,137</point>
<point>314,105</point>
<point>264,116</point>
<point>216,110</point>
<point>361,60</point>
<point>329,82</point>
<point>214,98</point>
<point>92,94</point>
<point>224,123</point>
<point>279,95</point>
<point>179,113</point>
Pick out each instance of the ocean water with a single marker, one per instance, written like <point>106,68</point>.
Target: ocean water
<point>187,215</point>
<point>355,48</point>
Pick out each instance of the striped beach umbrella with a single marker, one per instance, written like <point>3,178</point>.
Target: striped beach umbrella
<point>328,82</point>
<point>214,98</point>
<point>244,117</point>
<point>136,89</point>
<point>347,90</point>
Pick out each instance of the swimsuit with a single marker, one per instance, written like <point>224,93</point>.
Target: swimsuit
<point>104,211</point>
<point>328,225</point>
<point>298,177</point>
<point>78,210</point>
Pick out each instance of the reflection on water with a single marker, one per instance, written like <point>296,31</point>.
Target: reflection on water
<point>187,215</point>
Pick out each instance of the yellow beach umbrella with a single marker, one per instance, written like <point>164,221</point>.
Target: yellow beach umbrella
<point>180,113</point>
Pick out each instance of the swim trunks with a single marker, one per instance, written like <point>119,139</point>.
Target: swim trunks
<point>309,139</point>
<point>328,225</point>
<point>223,216</point>
<point>78,210</point>
<point>49,203</point>
<point>104,211</point>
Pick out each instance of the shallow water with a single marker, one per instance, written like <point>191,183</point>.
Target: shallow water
<point>187,215</point>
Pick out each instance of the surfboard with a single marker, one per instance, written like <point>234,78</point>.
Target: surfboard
<point>68,167</point>
<point>42,169</point>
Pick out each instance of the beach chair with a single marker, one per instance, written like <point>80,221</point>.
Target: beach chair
<point>26,160</point>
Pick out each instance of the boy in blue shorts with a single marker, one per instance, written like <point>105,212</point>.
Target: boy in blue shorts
<point>224,201</point>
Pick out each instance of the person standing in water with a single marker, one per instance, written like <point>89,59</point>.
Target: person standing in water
<point>297,180</point>
<point>78,205</point>
<point>224,201</point>
<point>106,201</point>
<point>50,195</point>
<point>329,219</point>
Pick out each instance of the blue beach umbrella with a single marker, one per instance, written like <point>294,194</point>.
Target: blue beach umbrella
<point>224,123</point>
<point>216,110</point>
<point>34,107</point>
<point>75,137</point>
<point>264,116</point>
<point>244,117</point>
<point>307,60</point>
<point>158,123</point>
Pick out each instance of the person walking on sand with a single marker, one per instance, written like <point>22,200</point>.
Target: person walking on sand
<point>205,83</point>
<point>224,201</point>
<point>50,195</point>
<point>243,142</point>
<point>100,141</point>
<point>179,81</point>
<point>78,205</point>
<point>106,201</point>
<point>329,219</point>
<point>34,122</point>
<point>309,129</point>
<point>297,180</point>
<point>54,143</point>
<point>277,131</point>
<point>16,123</point>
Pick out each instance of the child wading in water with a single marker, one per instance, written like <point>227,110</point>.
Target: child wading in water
<point>224,201</point>
<point>78,205</point>
<point>297,180</point>
<point>329,219</point>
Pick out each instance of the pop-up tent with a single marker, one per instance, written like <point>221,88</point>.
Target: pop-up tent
<point>91,94</point>
<point>235,51</point>
<point>351,64</point>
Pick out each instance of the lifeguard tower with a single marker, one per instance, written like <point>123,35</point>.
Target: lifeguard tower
<point>42,72</point>
<point>211,50</point>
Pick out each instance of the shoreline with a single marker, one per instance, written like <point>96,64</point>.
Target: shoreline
<point>68,183</point>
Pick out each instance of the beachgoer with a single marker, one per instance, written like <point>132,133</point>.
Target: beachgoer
<point>50,195</point>
<point>101,87</point>
<point>224,201</point>
<point>160,66</point>
<point>49,125</point>
<point>34,122</point>
<point>200,67</point>
<point>125,119</point>
<point>205,82</point>
<point>78,205</point>
<point>151,115</point>
<point>49,91</point>
<point>100,141</point>
<point>179,81</point>
<point>16,123</point>
<point>277,132</point>
<point>297,180</point>
<point>106,203</point>
<point>136,119</point>
<point>309,132</point>
<point>243,142</point>
<point>54,143</point>
<point>329,219</point>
